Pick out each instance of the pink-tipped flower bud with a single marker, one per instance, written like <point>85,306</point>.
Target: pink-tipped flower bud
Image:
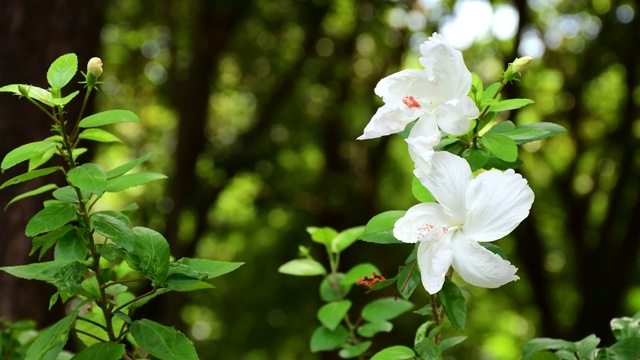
<point>94,67</point>
<point>521,64</point>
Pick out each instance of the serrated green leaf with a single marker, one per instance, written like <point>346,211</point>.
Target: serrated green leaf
<point>62,70</point>
<point>126,167</point>
<point>29,176</point>
<point>161,341</point>
<point>34,192</point>
<point>420,192</point>
<point>380,228</point>
<point>108,117</point>
<point>454,304</point>
<point>130,180</point>
<point>477,158</point>
<point>359,271</point>
<point>322,235</point>
<point>26,152</point>
<point>50,342</point>
<point>500,145</point>
<point>101,351</point>
<point>394,353</point>
<point>345,238</point>
<point>43,271</point>
<point>150,255</point>
<point>113,229</point>
<point>385,309</point>
<point>510,104</point>
<point>371,328</point>
<point>88,177</point>
<point>351,351</point>
<point>51,218</point>
<point>534,346</point>
<point>331,314</point>
<point>302,267</point>
<point>99,135</point>
<point>324,339</point>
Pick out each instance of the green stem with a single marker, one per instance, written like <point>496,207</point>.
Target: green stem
<point>88,334</point>
<point>76,128</point>
<point>479,123</point>
<point>92,322</point>
<point>149,293</point>
<point>49,114</point>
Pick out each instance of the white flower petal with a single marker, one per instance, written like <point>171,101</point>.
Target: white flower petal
<point>448,180</point>
<point>479,266</point>
<point>496,203</point>
<point>424,136</point>
<point>454,116</point>
<point>397,86</point>
<point>391,118</point>
<point>445,66</point>
<point>420,222</point>
<point>434,260</point>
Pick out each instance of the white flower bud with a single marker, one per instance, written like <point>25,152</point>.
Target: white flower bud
<point>521,64</point>
<point>94,67</point>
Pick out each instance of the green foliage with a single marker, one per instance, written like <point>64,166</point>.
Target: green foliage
<point>380,228</point>
<point>89,246</point>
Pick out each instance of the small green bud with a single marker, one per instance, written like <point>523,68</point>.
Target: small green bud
<point>24,90</point>
<point>94,67</point>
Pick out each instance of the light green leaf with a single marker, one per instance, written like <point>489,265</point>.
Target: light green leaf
<point>26,152</point>
<point>184,278</point>
<point>68,194</point>
<point>108,117</point>
<point>394,353</point>
<point>328,291</point>
<point>385,309</point>
<point>380,228</point>
<point>428,349</point>
<point>40,159</point>
<point>101,351</point>
<point>65,100</point>
<point>534,346</point>
<point>130,180</point>
<point>500,145</point>
<point>490,92</point>
<point>510,104</point>
<point>51,218</point>
<point>38,191</point>
<point>114,229</point>
<point>531,132</point>
<point>43,271</point>
<point>88,177</point>
<point>34,92</point>
<point>124,168</point>
<point>448,343</point>
<point>324,339</point>
<point>62,70</point>
<point>161,341</point>
<point>302,267</point>
<point>331,314</point>
<point>210,269</point>
<point>98,135</point>
<point>345,238</point>
<point>323,235</point>
<point>150,254</point>
<point>358,272</point>
<point>454,304</point>
<point>50,342</point>
<point>351,351</point>
<point>30,176</point>
<point>371,328</point>
<point>420,192</point>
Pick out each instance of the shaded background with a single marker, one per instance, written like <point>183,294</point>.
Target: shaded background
<point>255,107</point>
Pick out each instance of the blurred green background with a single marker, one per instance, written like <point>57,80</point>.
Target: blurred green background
<point>254,107</point>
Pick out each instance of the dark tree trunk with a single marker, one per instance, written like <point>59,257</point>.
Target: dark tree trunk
<point>33,33</point>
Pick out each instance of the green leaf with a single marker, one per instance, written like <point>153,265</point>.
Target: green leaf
<point>328,291</point>
<point>113,229</point>
<point>150,254</point>
<point>68,194</point>
<point>626,327</point>
<point>41,159</point>
<point>30,176</point>
<point>34,92</point>
<point>43,271</point>
<point>324,339</point>
<point>323,235</point>
<point>477,158</point>
<point>26,152</point>
<point>624,349</point>
<point>587,346</point>
<point>101,351</point>
<point>510,104</point>
<point>408,280</point>
<point>46,241</point>
<point>65,100</point>
<point>70,247</point>
<point>427,349</point>
<point>454,304</point>
<point>531,132</point>
<point>124,168</point>
<point>302,267</point>
<point>394,353</point>
<point>331,314</point>
<point>69,275</point>
<point>210,269</point>
<point>380,228</point>
<point>351,351</point>
<point>98,135</point>
<point>182,277</point>
<point>88,177</point>
<point>420,192</point>
<point>161,341</point>
<point>500,145</point>
<point>62,70</point>
<point>371,328</point>
<point>534,346</point>
<point>385,309</point>
<point>358,272</point>
<point>130,180</point>
<point>490,92</point>
<point>448,343</point>
<point>51,218</point>
<point>34,192</point>
<point>494,249</point>
<point>50,342</point>
<point>345,238</point>
<point>108,117</point>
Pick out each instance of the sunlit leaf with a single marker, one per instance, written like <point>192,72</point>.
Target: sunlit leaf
<point>51,218</point>
<point>385,309</point>
<point>34,192</point>
<point>302,267</point>
<point>322,235</point>
<point>359,271</point>
<point>345,238</point>
<point>371,328</point>
<point>510,104</point>
<point>43,271</point>
<point>162,341</point>
<point>500,145</point>
<point>108,117</point>
<point>324,339</point>
<point>62,70</point>
<point>331,314</point>
<point>352,351</point>
<point>124,168</point>
<point>420,192</point>
<point>131,180</point>
<point>99,135</point>
<point>26,152</point>
<point>150,254</point>
<point>380,228</point>
<point>394,353</point>
<point>88,177</point>
<point>30,176</point>
<point>534,346</point>
<point>114,229</point>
